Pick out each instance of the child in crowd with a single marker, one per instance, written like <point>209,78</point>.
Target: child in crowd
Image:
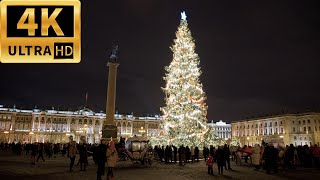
<point>210,164</point>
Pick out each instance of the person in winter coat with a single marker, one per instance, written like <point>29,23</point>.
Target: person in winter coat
<point>227,154</point>
<point>175,151</point>
<point>83,152</point>
<point>210,164</point>
<point>316,155</point>
<point>271,155</point>
<point>101,158</point>
<point>196,154</point>
<point>220,159</point>
<point>112,157</point>
<point>192,153</point>
<point>40,152</point>
<point>256,156</point>
<point>72,154</point>
<point>34,150</point>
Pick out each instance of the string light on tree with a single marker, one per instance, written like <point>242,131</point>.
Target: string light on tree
<point>185,111</point>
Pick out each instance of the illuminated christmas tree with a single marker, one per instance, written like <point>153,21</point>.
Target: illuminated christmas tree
<point>184,116</point>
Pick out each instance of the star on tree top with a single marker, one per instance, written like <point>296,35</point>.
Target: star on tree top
<point>183,16</point>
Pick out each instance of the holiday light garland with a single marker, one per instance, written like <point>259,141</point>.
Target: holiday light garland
<point>184,116</point>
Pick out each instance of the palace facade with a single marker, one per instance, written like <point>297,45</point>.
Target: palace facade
<point>17,125</point>
<point>222,129</point>
<point>296,129</point>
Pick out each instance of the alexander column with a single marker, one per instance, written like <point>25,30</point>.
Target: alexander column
<point>109,130</point>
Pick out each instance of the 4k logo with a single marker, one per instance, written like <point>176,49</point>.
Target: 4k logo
<point>40,31</point>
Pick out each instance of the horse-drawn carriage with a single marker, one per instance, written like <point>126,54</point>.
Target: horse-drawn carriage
<point>138,150</point>
<point>241,153</point>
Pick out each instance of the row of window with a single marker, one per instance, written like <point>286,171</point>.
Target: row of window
<point>4,117</point>
<point>276,124</point>
<point>305,129</point>
<point>222,129</point>
<point>305,138</point>
<point>308,121</point>
<point>265,125</point>
<point>242,133</point>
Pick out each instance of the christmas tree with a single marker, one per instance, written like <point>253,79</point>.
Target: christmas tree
<point>184,116</point>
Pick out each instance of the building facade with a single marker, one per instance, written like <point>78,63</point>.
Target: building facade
<point>296,129</point>
<point>17,125</point>
<point>222,129</point>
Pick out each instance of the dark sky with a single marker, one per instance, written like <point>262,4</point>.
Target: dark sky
<point>257,58</point>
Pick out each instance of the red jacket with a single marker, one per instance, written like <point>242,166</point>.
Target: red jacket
<point>210,162</point>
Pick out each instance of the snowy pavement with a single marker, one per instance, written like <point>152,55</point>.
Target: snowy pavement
<point>14,167</point>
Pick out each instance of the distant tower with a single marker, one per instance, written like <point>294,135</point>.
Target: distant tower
<point>109,128</point>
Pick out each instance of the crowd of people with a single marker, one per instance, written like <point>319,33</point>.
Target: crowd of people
<point>183,155</point>
<point>264,156</point>
<point>288,157</point>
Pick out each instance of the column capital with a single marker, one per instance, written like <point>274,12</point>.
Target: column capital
<point>113,64</point>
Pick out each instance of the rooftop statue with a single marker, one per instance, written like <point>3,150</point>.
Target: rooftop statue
<point>114,53</point>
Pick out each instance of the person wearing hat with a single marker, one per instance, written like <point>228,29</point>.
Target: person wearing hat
<point>112,157</point>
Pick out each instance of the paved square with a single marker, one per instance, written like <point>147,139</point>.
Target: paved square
<point>19,167</point>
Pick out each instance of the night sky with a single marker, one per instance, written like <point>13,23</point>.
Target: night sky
<point>257,58</point>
